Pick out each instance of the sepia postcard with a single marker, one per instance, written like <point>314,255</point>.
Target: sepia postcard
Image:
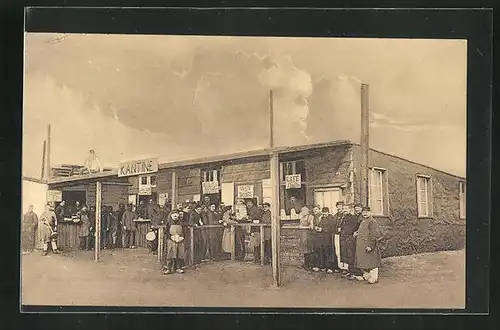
<point>232,171</point>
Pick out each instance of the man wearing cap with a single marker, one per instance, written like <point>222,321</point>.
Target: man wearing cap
<point>368,254</point>
<point>129,228</point>
<point>350,224</point>
<point>324,226</point>
<point>265,217</point>
<point>337,219</point>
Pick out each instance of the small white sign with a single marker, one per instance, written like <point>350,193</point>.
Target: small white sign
<point>196,198</point>
<point>132,199</point>
<point>162,198</point>
<point>211,187</point>
<point>293,181</point>
<point>54,196</point>
<point>245,191</point>
<point>145,190</point>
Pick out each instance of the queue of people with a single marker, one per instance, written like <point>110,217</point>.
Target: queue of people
<point>359,257</point>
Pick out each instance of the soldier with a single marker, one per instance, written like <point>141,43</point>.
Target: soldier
<point>350,224</point>
<point>368,254</point>
<point>47,230</point>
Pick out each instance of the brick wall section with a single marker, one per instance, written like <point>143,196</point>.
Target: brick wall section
<point>405,232</point>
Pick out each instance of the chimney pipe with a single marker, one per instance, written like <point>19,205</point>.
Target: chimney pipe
<point>48,173</point>
<point>42,176</point>
<point>365,144</point>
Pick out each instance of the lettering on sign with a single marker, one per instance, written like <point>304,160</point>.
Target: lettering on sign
<point>211,187</point>
<point>54,196</point>
<point>293,181</point>
<point>245,191</point>
<point>145,190</point>
<point>138,167</point>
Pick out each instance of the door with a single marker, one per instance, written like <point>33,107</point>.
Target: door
<point>327,197</point>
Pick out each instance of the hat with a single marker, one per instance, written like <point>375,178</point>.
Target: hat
<point>366,208</point>
<point>325,209</point>
<point>266,204</point>
<point>339,203</point>
<point>358,205</point>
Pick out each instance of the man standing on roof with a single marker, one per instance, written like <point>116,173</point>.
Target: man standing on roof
<point>93,164</point>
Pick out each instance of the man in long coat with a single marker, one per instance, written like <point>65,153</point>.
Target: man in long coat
<point>200,237</point>
<point>129,228</point>
<point>324,225</point>
<point>30,227</point>
<point>368,254</point>
<point>337,220</point>
<point>214,234</point>
<point>348,227</point>
<point>47,225</point>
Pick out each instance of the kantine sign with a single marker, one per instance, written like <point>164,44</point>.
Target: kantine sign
<point>138,167</point>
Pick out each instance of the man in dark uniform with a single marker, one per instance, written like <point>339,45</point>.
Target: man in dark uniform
<point>349,226</point>
<point>119,216</point>
<point>254,213</point>
<point>266,219</point>
<point>337,220</point>
<point>60,211</point>
<point>200,239</point>
<point>152,211</point>
<point>323,246</point>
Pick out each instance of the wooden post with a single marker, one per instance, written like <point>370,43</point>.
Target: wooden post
<point>275,220</point>
<point>174,189</point>
<point>160,243</point>
<point>43,160</point>
<point>191,247</point>
<point>365,144</point>
<point>262,245</point>
<point>98,203</point>
<point>233,243</point>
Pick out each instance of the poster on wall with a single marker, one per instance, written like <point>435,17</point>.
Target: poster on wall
<point>145,190</point>
<point>211,187</point>
<point>293,181</point>
<point>132,199</point>
<point>162,198</point>
<point>245,191</point>
<point>267,191</point>
<point>54,196</point>
<point>196,198</point>
<point>227,193</point>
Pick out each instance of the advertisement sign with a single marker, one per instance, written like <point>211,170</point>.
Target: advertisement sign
<point>132,199</point>
<point>162,198</point>
<point>54,196</point>
<point>245,191</point>
<point>145,190</point>
<point>138,167</point>
<point>293,181</point>
<point>211,187</point>
<point>196,198</point>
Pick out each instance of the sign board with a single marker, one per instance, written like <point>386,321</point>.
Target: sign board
<point>293,181</point>
<point>145,190</point>
<point>211,187</point>
<point>138,167</point>
<point>196,198</point>
<point>245,191</point>
<point>162,198</point>
<point>132,199</point>
<point>54,196</point>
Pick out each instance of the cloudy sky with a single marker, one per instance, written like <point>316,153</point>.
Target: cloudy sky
<point>180,97</point>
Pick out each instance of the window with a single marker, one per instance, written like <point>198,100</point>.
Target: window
<point>210,175</point>
<point>376,191</point>
<point>462,195</point>
<point>148,180</point>
<point>293,167</point>
<point>152,180</point>
<point>424,196</point>
<point>144,180</point>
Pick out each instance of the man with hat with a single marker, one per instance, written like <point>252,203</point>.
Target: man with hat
<point>368,254</point>
<point>337,219</point>
<point>349,226</point>
<point>324,226</point>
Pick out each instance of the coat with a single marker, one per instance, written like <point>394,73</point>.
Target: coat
<point>350,224</point>
<point>47,220</point>
<point>226,235</point>
<point>60,213</point>
<point>369,235</point>
<point>324,237</point>
<point>128,220</point>
<point>29,229</point>
<point>175,250</point>
<point>85,224</point>
<point>306,236</point>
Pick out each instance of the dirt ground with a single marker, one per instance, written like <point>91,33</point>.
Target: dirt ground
<point>133,278</point>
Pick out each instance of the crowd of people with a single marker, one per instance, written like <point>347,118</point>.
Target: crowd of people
<point>347,242</point>
<point>358,236</point>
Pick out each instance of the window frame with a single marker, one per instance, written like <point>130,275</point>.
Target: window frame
<point>383,193</point>
<point>428,196</point>
<point>211,175</point>
<point>462,199</point>
<point>284,166</point>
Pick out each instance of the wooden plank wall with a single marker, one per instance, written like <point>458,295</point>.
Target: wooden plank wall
<point>68,236</point>
<point>142,229</point>
<point>189,183</point>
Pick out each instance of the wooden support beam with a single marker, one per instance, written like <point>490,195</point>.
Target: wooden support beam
<point>365,144</point>
<point>262,245</point>
<point>98,206</point>
<point>275,223</point>
<point>174,189</point>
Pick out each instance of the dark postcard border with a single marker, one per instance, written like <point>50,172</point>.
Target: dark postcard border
<point>473,25</point>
